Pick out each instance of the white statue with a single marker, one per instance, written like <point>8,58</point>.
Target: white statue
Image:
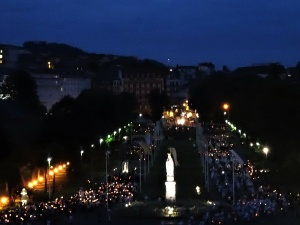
<point>125,167</point>
<point>170,168</point>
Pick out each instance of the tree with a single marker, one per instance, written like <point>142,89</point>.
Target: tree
<point>267,109</point>
<point>20,87</point>
<point>63,107</point>
<point>158,100</point>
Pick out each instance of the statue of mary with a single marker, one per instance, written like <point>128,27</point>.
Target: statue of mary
<point>170,168</point>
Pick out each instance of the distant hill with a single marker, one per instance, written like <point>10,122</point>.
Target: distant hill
<point>52,49</point>
<point>65,56</point>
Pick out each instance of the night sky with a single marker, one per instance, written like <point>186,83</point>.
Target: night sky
<point>225,32</point>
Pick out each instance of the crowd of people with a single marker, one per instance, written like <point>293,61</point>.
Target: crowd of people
<point>238,183</point>
<point>121,187</point>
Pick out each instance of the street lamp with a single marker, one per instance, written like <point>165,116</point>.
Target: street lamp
<point>233,190</point>
<point>140,164</point>
<point>92,161</point>
<point>106,159</point>
<point>81,153</point>
<point>266,151</point>
<point>120,133</point>
<point>100,141</point>
<point>226,107</point>
<point>49,164</point>
<point>49,161</point>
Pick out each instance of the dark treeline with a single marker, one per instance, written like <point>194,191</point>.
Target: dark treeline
<point>267,109</point>
<point>28,133</point>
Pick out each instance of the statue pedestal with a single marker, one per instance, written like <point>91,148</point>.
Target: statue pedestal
<point>170,191</point>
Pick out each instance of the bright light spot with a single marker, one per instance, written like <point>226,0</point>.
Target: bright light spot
<point>266,150</point>
<point>30,185</point>
<point>4,200</point>
<point>225,106</point>
<point>198,190</point>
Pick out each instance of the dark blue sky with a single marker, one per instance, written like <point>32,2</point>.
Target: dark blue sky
<point>225,32</point>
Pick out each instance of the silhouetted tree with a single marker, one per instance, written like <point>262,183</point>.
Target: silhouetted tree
<point>21,88</point>
<point>158,101</point>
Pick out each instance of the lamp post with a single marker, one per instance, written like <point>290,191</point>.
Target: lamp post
<point>233,190</point>
<point>226,107</point>
<point>81,153</point>
<point>49,164</point>
<point>106,159</point>
<point>100,142</point>
<point>120,136</point>
<point>130,132</point>
<point>140,173</point>
<point>92,161</point>
<point>266,151</point>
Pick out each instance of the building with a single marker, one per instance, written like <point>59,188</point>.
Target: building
<point>172,87</point>
<point>262,70</point>
<point>52,85</point>
<point>9,55</point>
<point>141,83</point>
<point>110,81</point>
<point>186,73</point>
<point>206,68</point>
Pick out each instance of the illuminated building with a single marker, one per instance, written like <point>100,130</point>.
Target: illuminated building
<point>53,86</point>
<point>9,55</point>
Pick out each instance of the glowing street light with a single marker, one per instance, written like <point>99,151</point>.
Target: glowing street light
<point>106,180</point>
<point>226,107</point>
<point>81,153</point>
<point>49,163</point>
<point>266,151</point>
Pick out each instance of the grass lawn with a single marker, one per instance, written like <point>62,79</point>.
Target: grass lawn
<point>188,174</point>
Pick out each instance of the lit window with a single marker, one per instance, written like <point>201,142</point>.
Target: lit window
<point>0,61</point>
<point>1,56</point>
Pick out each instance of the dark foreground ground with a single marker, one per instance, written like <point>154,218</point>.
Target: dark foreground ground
<point>98,217</point>
<point>188,175</point>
